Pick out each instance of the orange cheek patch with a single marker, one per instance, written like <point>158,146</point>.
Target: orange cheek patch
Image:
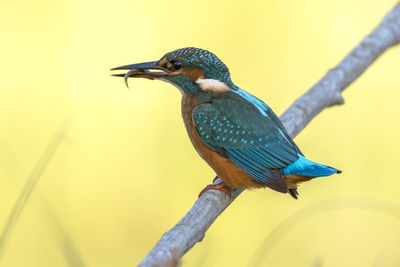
<point>162,62</point>
<point>193,74</point>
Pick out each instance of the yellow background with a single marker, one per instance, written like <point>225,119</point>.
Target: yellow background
<point>126,171</point>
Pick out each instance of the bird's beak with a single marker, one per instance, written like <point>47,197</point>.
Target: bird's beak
<point>142,70</point>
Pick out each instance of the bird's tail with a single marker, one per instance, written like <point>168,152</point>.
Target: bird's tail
<point>306,167</point>
<point>303,170</point>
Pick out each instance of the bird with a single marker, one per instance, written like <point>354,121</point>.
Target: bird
<point>237,134</point>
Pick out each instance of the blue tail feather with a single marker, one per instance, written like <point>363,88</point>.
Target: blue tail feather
<point>306,167</point>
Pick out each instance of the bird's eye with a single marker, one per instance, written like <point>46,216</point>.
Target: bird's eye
<point>176,65</point>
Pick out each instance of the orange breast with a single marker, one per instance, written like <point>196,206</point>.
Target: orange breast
<point>230,174</point>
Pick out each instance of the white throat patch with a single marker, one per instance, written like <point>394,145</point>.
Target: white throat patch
<point>177,86</point>
<point>212,85</point>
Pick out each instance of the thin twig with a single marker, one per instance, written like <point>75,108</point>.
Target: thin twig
<point>30,186</point>
<point>325,93</point>
<point>72,253</point>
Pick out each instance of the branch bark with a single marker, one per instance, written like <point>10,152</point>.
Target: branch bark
<point>325,93</point>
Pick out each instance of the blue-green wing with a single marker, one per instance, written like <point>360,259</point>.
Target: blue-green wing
<point>237,130</point>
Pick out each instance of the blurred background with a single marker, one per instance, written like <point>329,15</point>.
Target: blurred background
<point>111,169</point>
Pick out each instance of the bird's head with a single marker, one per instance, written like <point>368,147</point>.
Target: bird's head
<point>192,70</point>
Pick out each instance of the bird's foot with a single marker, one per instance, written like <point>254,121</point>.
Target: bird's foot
<point>215,179</point>
<point>218,186</point>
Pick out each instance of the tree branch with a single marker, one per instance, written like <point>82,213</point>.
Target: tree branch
<point>325,93</point>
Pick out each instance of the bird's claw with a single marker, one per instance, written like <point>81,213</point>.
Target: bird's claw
<point>218,186</point>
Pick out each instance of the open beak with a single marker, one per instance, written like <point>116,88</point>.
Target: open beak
<point>141,70</point>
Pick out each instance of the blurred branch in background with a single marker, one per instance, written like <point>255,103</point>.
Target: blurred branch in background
<point>325,93</point>
<point>375,205</point>
<point>72,254</point>
<point>14,169</point>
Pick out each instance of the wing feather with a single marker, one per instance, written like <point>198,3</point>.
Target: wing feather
<point>254,141</point>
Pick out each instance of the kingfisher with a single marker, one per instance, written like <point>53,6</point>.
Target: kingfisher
<point>237,134</point>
